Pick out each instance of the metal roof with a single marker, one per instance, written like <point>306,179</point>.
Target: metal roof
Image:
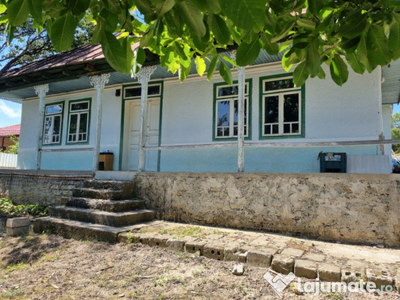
<point>12,129</point>
<point>391,84</point>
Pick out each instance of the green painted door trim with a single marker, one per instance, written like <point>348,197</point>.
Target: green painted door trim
<point>260,112</point>
<point>161,96</point>
<point>248,138</point>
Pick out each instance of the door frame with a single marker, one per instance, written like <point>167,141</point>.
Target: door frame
<point>161,97</point>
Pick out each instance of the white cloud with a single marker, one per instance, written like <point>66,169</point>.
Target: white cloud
<point>9,111</point>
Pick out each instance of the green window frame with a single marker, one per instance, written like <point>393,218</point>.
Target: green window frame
<point>225,110</point>
<point>79,121</point>
<point>53,123</point>
<point>282,108</point>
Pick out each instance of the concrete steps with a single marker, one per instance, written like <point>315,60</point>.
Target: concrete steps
<point>97,210</point>
<point>105,205</point>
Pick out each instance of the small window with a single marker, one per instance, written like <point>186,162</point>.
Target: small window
<point>78,128</point>
<point>53,124</point>
<point>281,108</point>
<point>136,92</point>
<point>226,111</point>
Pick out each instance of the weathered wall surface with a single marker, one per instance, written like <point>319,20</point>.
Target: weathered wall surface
<point>352,208</point>
<point>36,189</point>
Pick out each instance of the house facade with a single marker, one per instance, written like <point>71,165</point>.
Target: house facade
<point>193,126</point>
<point>6,141</point>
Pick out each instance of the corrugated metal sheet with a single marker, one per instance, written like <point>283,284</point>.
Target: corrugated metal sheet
<point>391,85</point>
<point>8,160</point>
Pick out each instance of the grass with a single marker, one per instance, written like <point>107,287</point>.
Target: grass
<point>11,210</point>
<point>18,266</point>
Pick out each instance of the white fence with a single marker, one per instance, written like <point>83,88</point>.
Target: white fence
<point>8,161</point>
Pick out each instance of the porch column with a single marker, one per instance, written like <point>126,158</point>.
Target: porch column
<point>41,91</point>
<point>98,82</point>
<point>143,77</point>
<point>241,107</point>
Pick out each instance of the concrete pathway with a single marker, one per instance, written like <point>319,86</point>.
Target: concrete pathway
<point>312,259</point>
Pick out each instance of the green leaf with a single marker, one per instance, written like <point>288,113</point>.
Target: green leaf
<point>225,73</point>
<point>272,48</point>
<point>10,34</point>
<point>140,55</point>
<point>192,16</point>
<point>285,30</point>
<point>355,25</point>
<point>306,24</point>
<point>321,73</point>
<point>48,4</point>
<point>211,6</point>
<point>144,7</point>
<point>18,11</point>
<point>394,40</point>
<point>300,74</point>
<point>98,30</point>
<point>128,54</point>
<point>183,72</point>
<point>3,8</point>
<point>62,32</point>
<point>147,38</point>
<point>314,6</point>
<point>165,6</point>
<point>355,64</point>
<point>114,6</point>
<point>113,52</point>
<point>289,59</point>
<point>200,65</point>
<point>362,53</point>
<point>179,50</point>
<point>246,14</point>
<point>78,6</point>
<point>248,53</point>
<point>378,48</point>
<point>212,67</point>
<point>35,8</point>
<point>339,71</point>
<point>220,30</point>
<point>312,61</point>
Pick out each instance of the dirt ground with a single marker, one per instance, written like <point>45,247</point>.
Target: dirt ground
<point>50,267</point>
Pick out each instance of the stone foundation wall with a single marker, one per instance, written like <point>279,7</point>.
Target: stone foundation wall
<point>37,188</point>
<point>354,208</point>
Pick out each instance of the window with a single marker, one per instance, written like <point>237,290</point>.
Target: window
<point>53,116</point>
<point>281,108</point>
<point>226,110</point>
<point>136,91</point>
<point>78,121</point>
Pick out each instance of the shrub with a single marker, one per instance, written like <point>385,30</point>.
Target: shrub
<point>11,210</point>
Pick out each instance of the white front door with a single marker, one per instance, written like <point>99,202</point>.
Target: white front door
<point>132,131</point>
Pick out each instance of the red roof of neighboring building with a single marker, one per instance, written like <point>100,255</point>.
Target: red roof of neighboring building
<point>13,129</point>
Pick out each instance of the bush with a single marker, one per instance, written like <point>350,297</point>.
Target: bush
<point>11,210</point>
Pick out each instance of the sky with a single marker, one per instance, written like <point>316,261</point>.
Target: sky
<point>10,113</point>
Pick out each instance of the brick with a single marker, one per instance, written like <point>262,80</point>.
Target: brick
<point>18,222</point>
<point>194,247</point>
<point>259,259</point>
<point>231,254</point>
<point>17,231</point>
<point>305,268</point>
<point>214,251</point>
<point>329,273</point>
<point>349,275</point>
<point>293,252</point>
<point>282,264</point>
<point>176,245</point>
<point>314,257</point>
<point>379,277</point>
<point>157,241</point>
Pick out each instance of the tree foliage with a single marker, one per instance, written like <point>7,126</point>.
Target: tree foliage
<point>365,33</point>
<point>31,43</point>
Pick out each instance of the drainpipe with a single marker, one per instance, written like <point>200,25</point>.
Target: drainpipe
<point>380,116</point>
<point>98,83</point>
<point>241,108</point>
<point>143,77</point>
<point>41,91</point>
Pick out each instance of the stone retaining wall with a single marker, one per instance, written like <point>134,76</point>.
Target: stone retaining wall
<point>354,208</point>
<point>40,189</point>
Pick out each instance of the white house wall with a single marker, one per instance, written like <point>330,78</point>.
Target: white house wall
<point>70,160</point>
<point>332,113</point>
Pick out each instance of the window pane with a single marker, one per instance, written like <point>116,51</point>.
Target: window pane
<point>133,92</point>
<point>236,112</point>
<point>153,90</point>
<point>54,109</point>
<point>267,129</point>
<point>80,106</point>
<point>73,126</point>
<point>83,123</point>
<point>275,129</point>
<point>295,128</point>
<point>271,106</point>
<point>286,128</point>
<point>278,84</point>
<point>223,113</point>
<point>291,108</point>
<point>57,125</point>
<point>228,90</point>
